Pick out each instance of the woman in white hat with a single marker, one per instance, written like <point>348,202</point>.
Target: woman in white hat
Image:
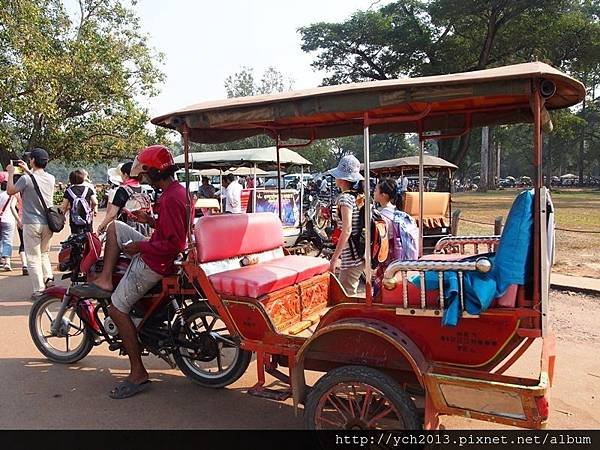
<point>347,174</point>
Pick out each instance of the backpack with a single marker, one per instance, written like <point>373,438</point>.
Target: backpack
<point>379,234</point>
<point>138,200</point>
<point>81,211</point>
<point>403,234</point>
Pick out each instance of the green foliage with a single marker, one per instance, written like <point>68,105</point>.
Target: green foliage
<point>71,83</point>
<point>419,38</point>
<point>324,154</point>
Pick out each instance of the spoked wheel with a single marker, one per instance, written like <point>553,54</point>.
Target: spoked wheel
<point>73,340</point>
<point>359,398</point>
<point>216,360</point>
<point>311,245</point>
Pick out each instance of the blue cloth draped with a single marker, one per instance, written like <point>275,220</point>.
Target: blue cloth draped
<point>510,265</point>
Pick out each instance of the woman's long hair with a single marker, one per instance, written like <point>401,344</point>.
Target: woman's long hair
<point>389,187</point>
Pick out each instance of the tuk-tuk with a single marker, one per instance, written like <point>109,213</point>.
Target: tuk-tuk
<point>437,195</point>
<point>439,337</point>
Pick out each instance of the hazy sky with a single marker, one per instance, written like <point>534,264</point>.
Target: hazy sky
<point>206,41</point>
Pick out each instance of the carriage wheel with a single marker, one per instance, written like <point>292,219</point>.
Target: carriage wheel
<point>359,398</point>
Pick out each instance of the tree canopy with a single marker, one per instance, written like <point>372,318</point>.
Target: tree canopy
<point>71,81</point>
<point>420,38</point>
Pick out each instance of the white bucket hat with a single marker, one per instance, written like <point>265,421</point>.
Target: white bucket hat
<point>114,175</point>
<point>348,169</point>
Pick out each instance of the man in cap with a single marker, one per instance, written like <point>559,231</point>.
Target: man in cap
<point>36,234</point>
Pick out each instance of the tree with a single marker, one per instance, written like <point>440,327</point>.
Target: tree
<point>243,84</point>
<point>419,38</point>
<point>70,84</point>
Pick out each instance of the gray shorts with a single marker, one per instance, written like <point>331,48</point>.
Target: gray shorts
<point>138,279</point>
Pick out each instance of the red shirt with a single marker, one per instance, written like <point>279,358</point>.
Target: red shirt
<point>170,233</point>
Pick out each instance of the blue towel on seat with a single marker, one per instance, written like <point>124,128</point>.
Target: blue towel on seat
<point>510,265</point>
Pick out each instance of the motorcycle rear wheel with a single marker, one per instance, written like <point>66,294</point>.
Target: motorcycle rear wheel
<point>40,321</point>
<point>199,366</point>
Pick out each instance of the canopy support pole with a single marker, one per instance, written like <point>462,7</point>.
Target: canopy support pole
<point>279,180</point>
<point>367,189</point>
<point>186,151</point>
<point>421,188</point>
<point>254,190</point>
<point>221,190</point>
<point>538,181</point>
<point>301,197</point>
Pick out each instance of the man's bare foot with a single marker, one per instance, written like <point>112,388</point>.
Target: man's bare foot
<point>137,378</point>
<point>103,284</point>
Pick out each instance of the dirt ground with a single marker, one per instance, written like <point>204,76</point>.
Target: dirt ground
<point>38,394</point>
<point>576,253</point>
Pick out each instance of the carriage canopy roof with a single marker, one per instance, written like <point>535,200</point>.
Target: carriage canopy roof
<point>411,162</point>
<point>246,157</point>
<point>454,101</point>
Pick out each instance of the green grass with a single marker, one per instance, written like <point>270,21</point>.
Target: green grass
<point>576,253</point>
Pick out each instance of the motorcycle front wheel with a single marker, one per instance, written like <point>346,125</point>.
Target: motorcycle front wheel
<point>73,340</point>
<point>216,360</point>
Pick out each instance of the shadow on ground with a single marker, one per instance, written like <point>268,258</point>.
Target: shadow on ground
<point>76,397</point>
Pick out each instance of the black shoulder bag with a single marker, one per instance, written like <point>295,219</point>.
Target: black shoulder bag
<point>54,216</point>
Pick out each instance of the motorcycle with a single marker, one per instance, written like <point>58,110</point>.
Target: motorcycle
<point>319,232</point>
<point>172,319</point>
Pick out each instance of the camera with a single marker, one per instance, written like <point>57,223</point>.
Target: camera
<point>18,169</point>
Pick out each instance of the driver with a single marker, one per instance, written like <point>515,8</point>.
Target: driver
<point>151,259</point>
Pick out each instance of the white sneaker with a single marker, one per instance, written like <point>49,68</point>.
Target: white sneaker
<point>7,267</point>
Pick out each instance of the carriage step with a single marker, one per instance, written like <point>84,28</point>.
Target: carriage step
<point>305,324</point>
<point>299,327</point>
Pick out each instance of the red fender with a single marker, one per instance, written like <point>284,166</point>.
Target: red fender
<point>56,291</point>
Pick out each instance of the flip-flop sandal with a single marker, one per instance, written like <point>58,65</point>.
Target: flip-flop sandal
<point>126,389</point>
<point>89,290</point>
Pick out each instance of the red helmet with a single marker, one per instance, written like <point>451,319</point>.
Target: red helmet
<point>156,157</point>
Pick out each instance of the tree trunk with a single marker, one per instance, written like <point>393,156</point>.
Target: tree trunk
<point>5,156</point>
<point>581,147</point>
<point>463,147</point>
<point>498,159</point>
<point>483,168</point>
<point>548,153</point>
<point>492,162</point>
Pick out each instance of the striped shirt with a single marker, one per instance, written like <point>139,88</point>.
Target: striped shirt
<point>347,260</point>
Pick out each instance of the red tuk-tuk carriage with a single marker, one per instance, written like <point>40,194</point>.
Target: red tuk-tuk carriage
<point>380,353</point>
<point>437,195</point>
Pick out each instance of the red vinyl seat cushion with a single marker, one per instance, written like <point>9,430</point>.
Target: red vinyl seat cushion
<point>227,236</point>
<point>261,279</point>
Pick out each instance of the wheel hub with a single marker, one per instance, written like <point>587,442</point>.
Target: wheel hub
<point>62,329</point>
<point>206,347</point>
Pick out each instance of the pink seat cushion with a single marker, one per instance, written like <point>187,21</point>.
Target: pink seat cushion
<point>305,266</point>
<point>227,236</point>
<point>264,278</point>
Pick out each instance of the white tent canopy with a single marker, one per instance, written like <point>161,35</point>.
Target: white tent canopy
<point>412,162</point>
<point>240,171</point>
<point>247,157</point>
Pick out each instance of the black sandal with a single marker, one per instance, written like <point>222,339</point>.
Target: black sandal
<point>126,389</point>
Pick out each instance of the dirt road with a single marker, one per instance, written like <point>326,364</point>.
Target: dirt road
<point>39,394</point>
